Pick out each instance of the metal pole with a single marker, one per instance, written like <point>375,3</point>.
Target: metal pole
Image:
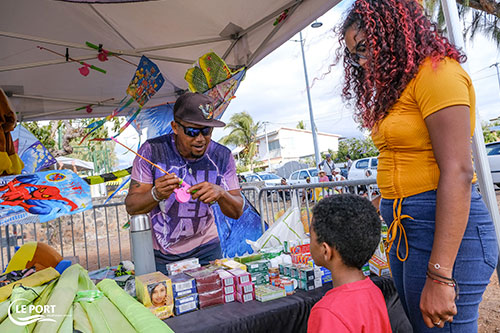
<point>267,147</point>
<point>311,116</point>
<point>498,74</point>
<point>480,159</point>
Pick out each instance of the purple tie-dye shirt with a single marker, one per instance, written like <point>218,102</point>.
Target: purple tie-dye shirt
<point>181,227</point>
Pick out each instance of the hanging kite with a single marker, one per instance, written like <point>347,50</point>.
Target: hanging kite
<point>212,77</point>
<point>31,151</point>
<point>146,82</point>
<point>42,196</point>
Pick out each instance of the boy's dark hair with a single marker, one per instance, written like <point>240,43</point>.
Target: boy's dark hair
<point>350,224</point>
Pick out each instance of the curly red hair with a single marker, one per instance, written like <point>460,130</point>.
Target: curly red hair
<point>399,37</point>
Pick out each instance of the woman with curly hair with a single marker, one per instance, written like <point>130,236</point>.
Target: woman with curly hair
<point>410,91</point>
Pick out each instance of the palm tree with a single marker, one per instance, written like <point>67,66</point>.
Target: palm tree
<point>301,125</point>
<point>485,16</point>
<point>243,133</point>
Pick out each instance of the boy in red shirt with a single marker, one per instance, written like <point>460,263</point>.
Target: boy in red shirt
<point>345,232</point>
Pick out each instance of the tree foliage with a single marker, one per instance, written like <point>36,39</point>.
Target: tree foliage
<point>356,148</point>
<point>484,17</point>
<point>243,134</point>
<point>301,125</point>
<point>489,135</point>
<point>62,138</point>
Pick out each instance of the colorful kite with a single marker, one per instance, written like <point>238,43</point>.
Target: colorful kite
<point>42,196</point>
<point>31,151</point>
<point>146,82</point>
<point>213,78</point>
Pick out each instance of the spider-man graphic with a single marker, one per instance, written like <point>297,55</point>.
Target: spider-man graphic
<point>35,199</point>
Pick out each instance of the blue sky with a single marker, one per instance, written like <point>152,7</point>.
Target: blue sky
<point>274,89</point>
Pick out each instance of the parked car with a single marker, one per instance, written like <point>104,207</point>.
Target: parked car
<point>269,179</point>
<point>493,152</point>
<point>300,176</point>
<point>364,168</point>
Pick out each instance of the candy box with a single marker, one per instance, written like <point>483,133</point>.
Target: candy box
<point>243,298</point>
<point>203,275</point>
<point>206,287</point>
<point>186,304</point>
<point>185,292</point>
<point>266,293</point>
<point>245,288</point>
<point>248,258</point>
<point>211,298</point>
<point>182,265</point>
<point>258,278</point>
<point>229,298</point>
<point>154,291</point>
<point>378,266</point>
<point>240,275</point>
<point>181,282</point>
<point>259,266</point>
<point>229,289</point>
<point>227,278</point>
<point>231,264</point>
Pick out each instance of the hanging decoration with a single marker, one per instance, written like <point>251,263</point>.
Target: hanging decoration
<point>42,196</point>
<point>146,82</point>
<point>212,77</point>
<point>85,70</point>
<point>31,151</point>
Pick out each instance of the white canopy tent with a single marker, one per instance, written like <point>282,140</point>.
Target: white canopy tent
<point>173,34</point>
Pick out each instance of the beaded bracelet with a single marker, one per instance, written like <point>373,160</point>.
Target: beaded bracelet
<point>452,282</point>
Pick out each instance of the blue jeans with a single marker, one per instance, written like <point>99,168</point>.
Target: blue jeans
<point>476,260</point>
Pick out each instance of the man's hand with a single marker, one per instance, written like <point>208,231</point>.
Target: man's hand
<point>206,192</point>
<point>166,185</point>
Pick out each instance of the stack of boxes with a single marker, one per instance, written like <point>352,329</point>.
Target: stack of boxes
<point>209,286</point>
<point>228,281</point>
<point>182,265</point>
<point>258,271</point>
<point>245,289</point>
<point>185,293</point>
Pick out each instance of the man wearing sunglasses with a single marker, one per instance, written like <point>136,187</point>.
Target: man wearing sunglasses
<point>186,230</point>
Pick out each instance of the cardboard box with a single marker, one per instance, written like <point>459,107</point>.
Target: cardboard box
<point>266,293</point>
<point>379,267</point>
<point>229,290</point>
<point>240,275</point>
<point>259,266</point>
<point>231,264</point>
<point>154,291</point>
<point>182,265</point>
<point>227,278</point>
<point>203,276</point>
<point>181,282</point>
<point>185,292</point>
<point>245,288</point>
<point>243,298</point>
<point>211,298</point>
<point>186,304</point>
<point>229,298</point>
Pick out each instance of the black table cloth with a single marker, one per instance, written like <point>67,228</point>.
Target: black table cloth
<point>287,314</point>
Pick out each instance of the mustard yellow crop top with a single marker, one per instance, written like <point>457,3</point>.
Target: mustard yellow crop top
<point>406,164</point>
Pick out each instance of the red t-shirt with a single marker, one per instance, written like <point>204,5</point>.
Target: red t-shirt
<point>353,307</point>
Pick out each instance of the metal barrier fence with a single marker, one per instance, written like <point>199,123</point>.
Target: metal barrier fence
<point>307,195</point>
<point>97,238</point>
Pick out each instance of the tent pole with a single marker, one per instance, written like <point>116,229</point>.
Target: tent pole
<point>271,34</point>
<point>182,44</point>
<point>478,148</point>
<point>65,100</point>
<point>45,63</point>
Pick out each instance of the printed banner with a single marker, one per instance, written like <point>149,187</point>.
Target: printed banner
<point>42,196</point>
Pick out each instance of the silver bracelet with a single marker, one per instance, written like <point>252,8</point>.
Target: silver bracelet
<point>153,194</point>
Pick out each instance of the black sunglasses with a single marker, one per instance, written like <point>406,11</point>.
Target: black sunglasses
<point>354,57</point>
<point>194,132</point>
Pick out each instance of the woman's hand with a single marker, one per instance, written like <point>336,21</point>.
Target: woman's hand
<point>437,303</point>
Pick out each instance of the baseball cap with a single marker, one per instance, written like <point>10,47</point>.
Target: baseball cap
<point>328,155</point>
<point>196,108</point>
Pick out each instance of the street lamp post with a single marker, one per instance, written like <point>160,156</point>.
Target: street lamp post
<point>311,116</point>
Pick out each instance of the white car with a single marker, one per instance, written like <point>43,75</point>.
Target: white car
<point>365,168</point>
<point>493,152</point>
<point>300,176</point>
<point>269,179</point>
